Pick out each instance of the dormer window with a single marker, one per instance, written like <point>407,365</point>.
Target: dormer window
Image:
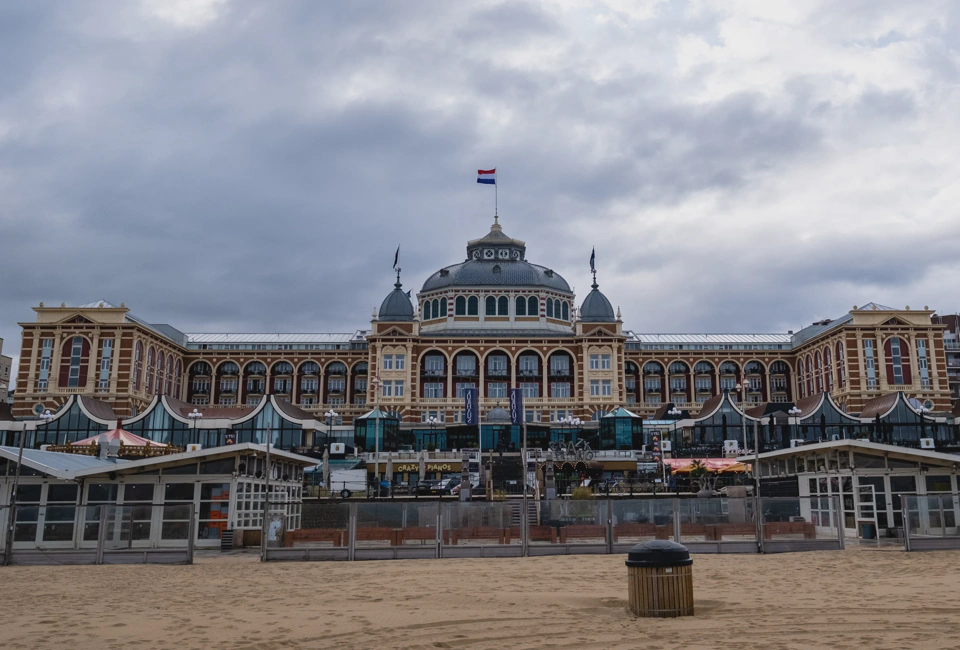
<point>496,268</point>
<point>444,273</point>
<point>548,273</point>
<point>488,254</point>
<point>503,253</point>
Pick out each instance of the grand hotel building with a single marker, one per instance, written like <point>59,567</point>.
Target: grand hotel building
<point>495,321</point>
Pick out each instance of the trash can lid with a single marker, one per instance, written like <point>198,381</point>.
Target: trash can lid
<point>659,553</point>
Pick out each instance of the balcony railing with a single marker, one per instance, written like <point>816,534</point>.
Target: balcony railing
<point>526,372</point>
<point>465,373</point>
<point>497,373</point>
<point>433,372</point>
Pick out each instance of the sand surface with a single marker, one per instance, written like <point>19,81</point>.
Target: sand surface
<point>846,599</point>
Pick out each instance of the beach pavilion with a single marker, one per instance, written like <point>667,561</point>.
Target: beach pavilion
<point>152,496</point>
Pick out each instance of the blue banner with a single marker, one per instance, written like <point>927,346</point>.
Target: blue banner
<point>516,406</point>
<point>471,406</point>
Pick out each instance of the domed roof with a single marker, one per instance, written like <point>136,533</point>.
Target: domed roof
<point>396,306</point>
<point>497,415</point>
<point>596,308</point>
<point>513,273</point>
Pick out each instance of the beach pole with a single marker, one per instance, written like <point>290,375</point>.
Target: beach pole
<point>266,501</point>
<point>526,513</point>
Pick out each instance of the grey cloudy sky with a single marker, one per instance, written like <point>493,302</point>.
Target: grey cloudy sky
<point>238,165</point>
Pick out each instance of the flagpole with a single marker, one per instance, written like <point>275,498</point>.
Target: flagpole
<point>496,198</point>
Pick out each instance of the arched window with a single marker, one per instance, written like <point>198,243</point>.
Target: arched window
<point>73,362</point>
<point>426,310</point>
<point>521,306</point>
<point>549,307</point>
<point>898,361</point>
<point>178,371</point>
<point>533,306</point>
<point>201,368</point>
<point>566,310</point>
<point>137,365</point>
<point>827,370</point>
<point>282,368</point>
<point>310,368</point>
<point>491,306</point>
<point>800,376</point>
<point>729,368</point>
<point>436,308</point>
<point>703,368</point>
<point>151,355</point>
<point>161,359</point>
<point>818,368</point>
<point>255,368</point>
<point>652,368</point>
<point>809,375</point>
<point>443,308</point>
<point>460,306</point>
<point>503,306</point>
<point>473,306</point>
<point>841,374</point>
<point>168,388</point>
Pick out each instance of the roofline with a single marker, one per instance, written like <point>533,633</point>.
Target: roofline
<point>862,444</point>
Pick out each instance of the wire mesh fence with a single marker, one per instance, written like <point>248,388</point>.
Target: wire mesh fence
<point>930,521</point>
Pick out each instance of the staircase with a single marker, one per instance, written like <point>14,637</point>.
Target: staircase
<point>518,510</point>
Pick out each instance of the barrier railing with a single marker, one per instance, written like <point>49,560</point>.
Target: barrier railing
<point>101,534</point>
<point>386,530</point>
<point>930,522</point>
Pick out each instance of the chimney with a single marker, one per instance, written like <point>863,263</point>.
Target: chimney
<point>102,445</point>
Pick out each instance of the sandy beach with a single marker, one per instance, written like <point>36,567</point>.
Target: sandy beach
<point>846,599</point>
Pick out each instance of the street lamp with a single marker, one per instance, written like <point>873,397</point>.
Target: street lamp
<point>432,421</point>
<point>742,389</point>
<point>331,417</point>
<point>194,416</point>
<point>675,413</point>
<point>375,382</point>
<point>794,412</point>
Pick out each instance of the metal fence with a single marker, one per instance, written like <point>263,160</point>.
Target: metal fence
<point>930,522</point>
<point>394,530</point>
<point>99,534</point>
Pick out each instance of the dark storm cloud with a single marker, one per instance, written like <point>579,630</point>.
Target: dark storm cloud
<point>249,166</point>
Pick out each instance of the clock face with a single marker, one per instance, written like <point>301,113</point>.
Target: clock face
<point>516,255</point>
<point>488,254</point>
<point>476,255</point>
<point>504,253</point>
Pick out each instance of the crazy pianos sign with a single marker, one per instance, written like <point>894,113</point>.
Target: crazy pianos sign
<point>431,467</point>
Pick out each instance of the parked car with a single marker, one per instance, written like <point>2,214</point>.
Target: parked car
<point>445,486</point>
<point>455,490</point>
<point>427,486</point>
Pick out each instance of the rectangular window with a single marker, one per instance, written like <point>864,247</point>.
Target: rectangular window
<point>728,383</point>
<point>398,389</point>
<point>560,414</point>
<point>531,415</point>
<point>605,388</point>
<point>433,390</point>
<point>594,388</point>
<point>530,389</point>
<point>103,383</point>
<point>388,362</point>
<point>200,385</point>
<point>252,401</point>
<point>529,365</point>
<point>387,388</point>
<point>466,366</point>
<point>228,385</point>
<point>678,384</point>
<point>308,401</point>
<point>560,389</point>
<point>703,384</point>
<point>254,385</point>
<point>651,385</point>
<point>360,385</point>
<point>46,352</point>
<point>778,384</point>
<point>869,363</point>
<point>359,400</point>
<point>336,401</point>
<point>497,389</point>
<point>604,362</point>
<point>631,399</point>
<point>433,365</point>
<point>228,401</point>
<point>594,362</point>
<point>650,399</point>
<point>336,384</point>
<point>922,363</point>
<point>497,366</point>
<point>200,400</point>
<point>897,361</point>
<point>76,351</point>
<point>281,385</point>
<point>462,387</point>
<point>630,384</point>
<point>560,366</point>
<point>309,384</point>
<point>400,360</point>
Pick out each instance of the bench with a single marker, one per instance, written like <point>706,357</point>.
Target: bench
<point>731,530</point>
<point>313,536</point>
<point>377,534</point>
<point>536,533</point>
<point>641,530</point>
<point>422,534</point>
<point>807,529</point>
<point>478,533</point>
<point>582,531</point>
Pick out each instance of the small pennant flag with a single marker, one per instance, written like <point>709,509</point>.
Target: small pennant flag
<point>487,176</point>
<point>396,257</point>
<point>593,257</point>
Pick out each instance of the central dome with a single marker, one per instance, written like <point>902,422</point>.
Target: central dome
<point>496,260</point>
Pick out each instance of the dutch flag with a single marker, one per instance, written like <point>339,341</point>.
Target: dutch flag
<point>487,176</point>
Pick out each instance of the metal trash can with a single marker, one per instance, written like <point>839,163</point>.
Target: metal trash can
<point>868,531</point>
<point>660,579</point>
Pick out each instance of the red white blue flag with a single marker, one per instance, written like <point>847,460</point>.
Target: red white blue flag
<point>487,176</point>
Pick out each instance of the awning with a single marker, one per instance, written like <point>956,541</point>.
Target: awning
<point>684,465</point>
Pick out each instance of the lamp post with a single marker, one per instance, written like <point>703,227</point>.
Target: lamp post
<point>375,382</point>
<point>794,412</point>
<point>673,413</point>
<point>432,421</point>
<point>45,418</point>
<point>742,389</point>
<point>194,416</point>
